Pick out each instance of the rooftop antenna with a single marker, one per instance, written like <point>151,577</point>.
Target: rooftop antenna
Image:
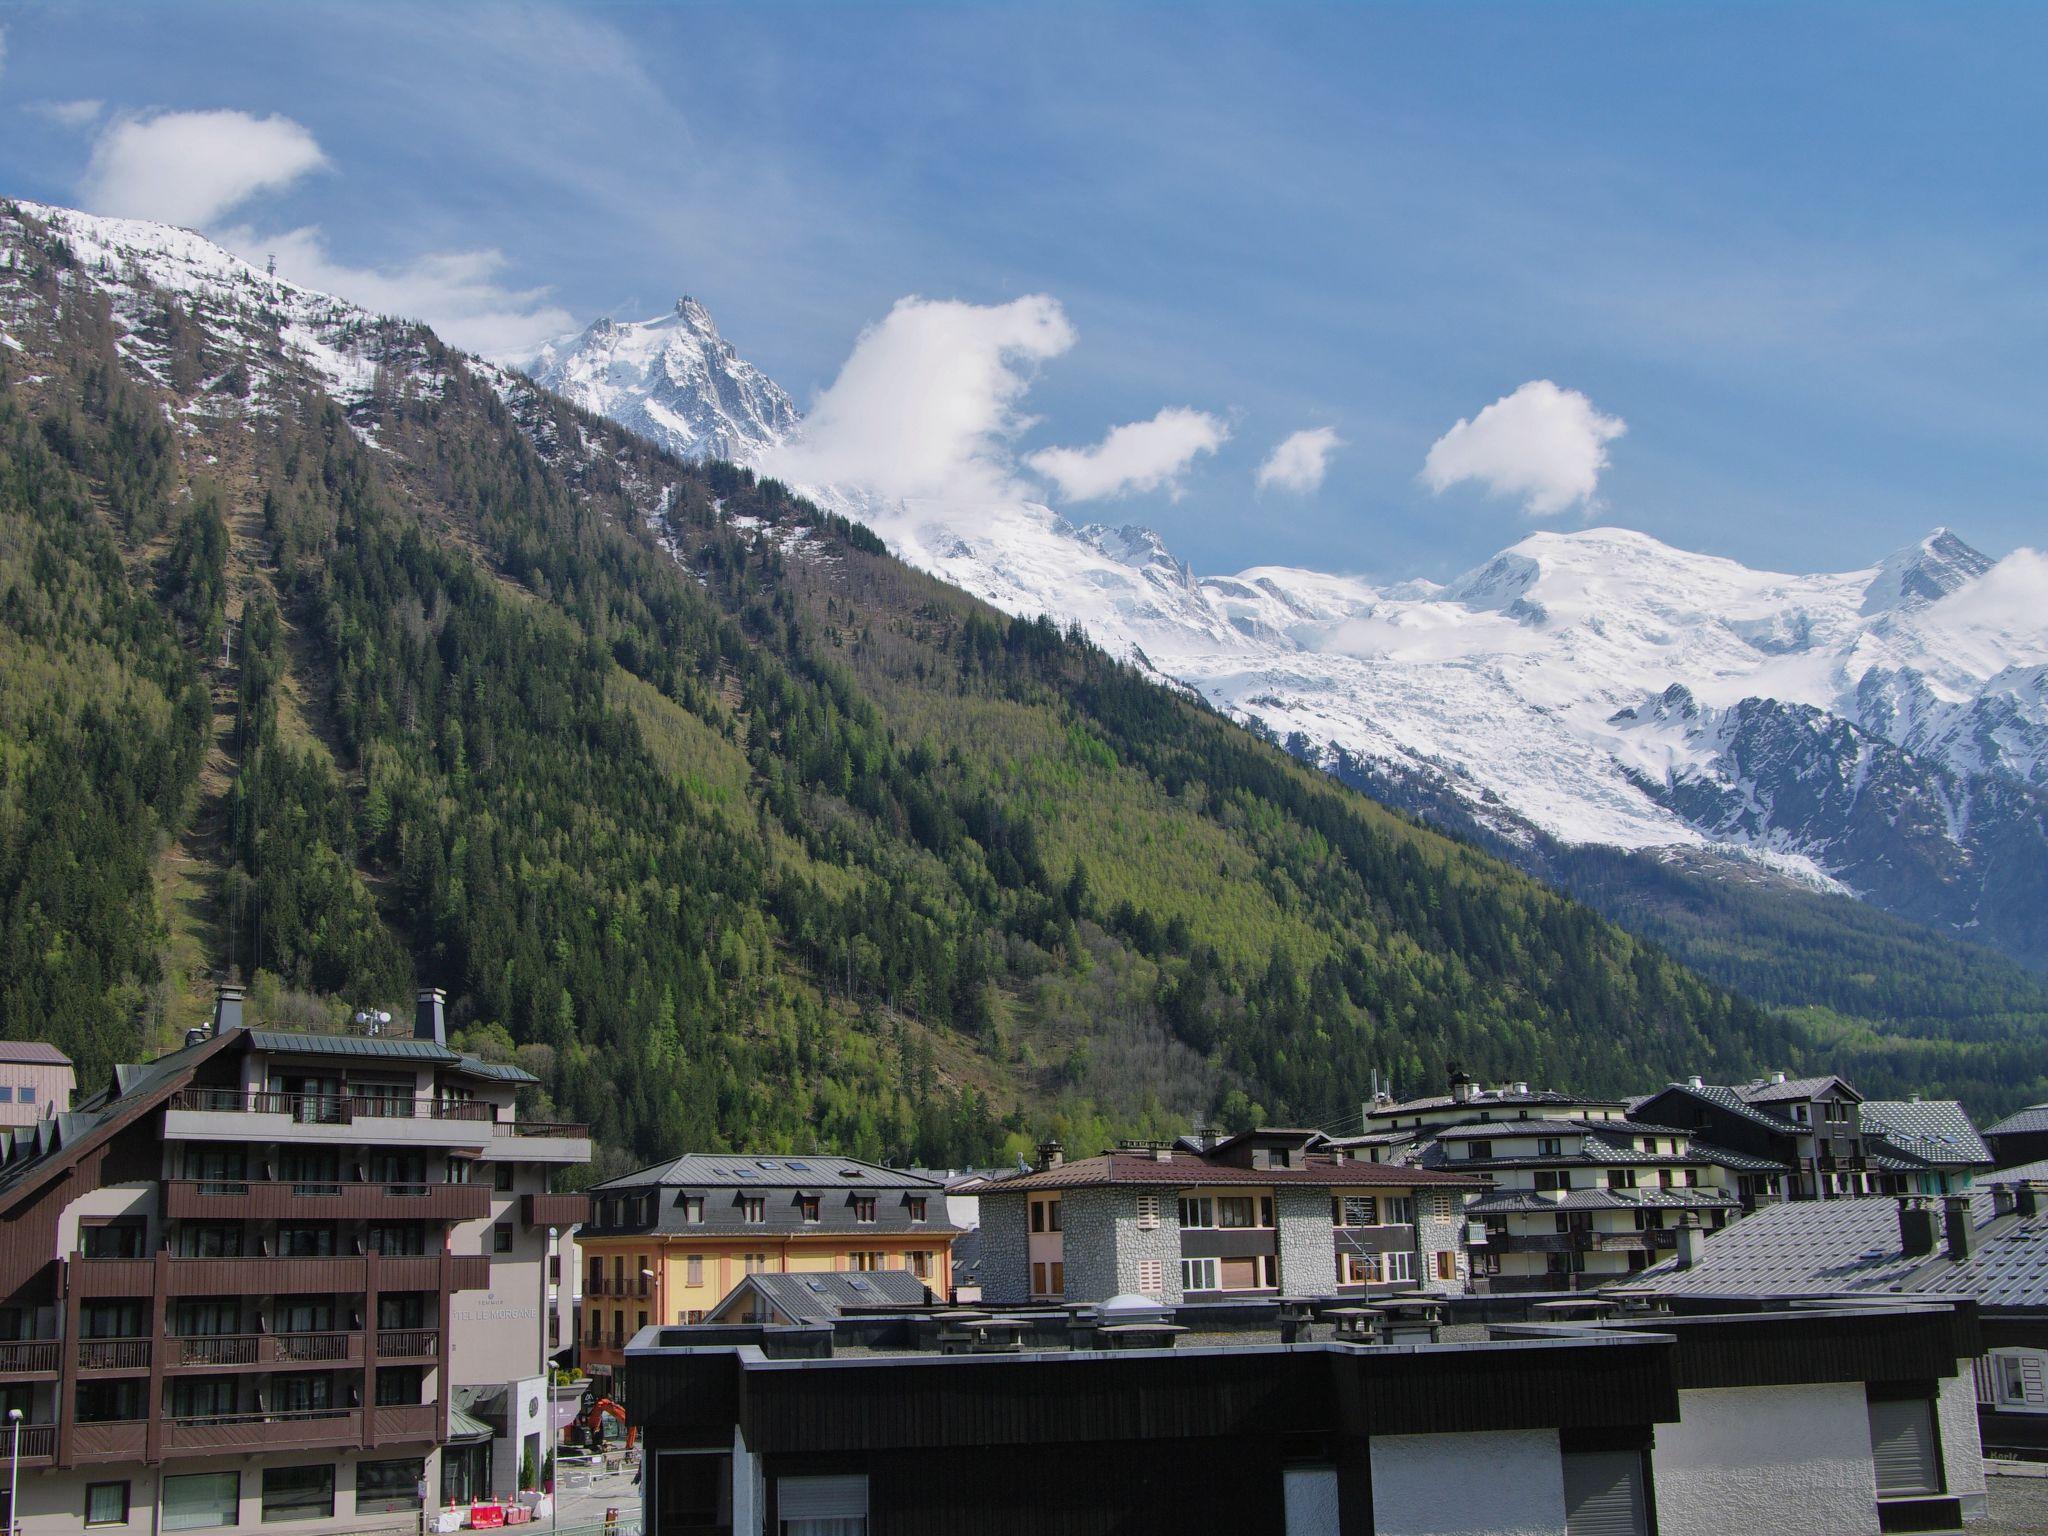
<point>270,266</point>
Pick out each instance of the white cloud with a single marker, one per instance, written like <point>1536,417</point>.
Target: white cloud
<point>191,167</point>
<point>1138,456</point>
<point>1544,444</point>
<point>928,402</point>
<point>456,292</point>
<point>1300,460</point>
<point>68,114</point>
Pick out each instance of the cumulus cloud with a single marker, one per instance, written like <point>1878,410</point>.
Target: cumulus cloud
<point>1544,444</point>
<point>929,401</point>
<point>1300,460</point>
<point>1138,456</point>
<point>68,114</point>
<point>459,293</point>
<point>191,167</point>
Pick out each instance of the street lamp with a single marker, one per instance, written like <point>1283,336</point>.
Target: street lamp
<point>14,1472</point>
<point>547,1366</point>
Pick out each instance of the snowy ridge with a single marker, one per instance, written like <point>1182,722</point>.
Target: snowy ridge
<point>672,379</point>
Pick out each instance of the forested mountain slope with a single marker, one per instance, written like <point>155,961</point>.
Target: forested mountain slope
<point>336,658</point>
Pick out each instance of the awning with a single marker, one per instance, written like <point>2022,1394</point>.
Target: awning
<point>464,1430</point>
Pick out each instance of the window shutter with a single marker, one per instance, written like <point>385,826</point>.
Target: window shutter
<point>822,1498</point>
<point>1148,1212</point>
<point>1151,1276</point>
<point>2032,1387</point>
<point>1902,1447</point>
<point>1603,1494</point>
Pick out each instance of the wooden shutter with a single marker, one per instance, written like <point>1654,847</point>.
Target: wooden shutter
<point>1603,1494</point>
<point>1902,1447</point>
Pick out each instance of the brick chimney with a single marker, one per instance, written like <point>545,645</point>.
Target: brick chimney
<point>430,1016</point>
<point>1051,1154</point>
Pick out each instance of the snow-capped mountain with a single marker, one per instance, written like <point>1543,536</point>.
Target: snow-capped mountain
<point>673,379</point>
<point>1882,730</point>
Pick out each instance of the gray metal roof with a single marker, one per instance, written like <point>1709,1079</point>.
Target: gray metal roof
<point>1765,1092</point>
<point>389,1047</point>
<point>1936,1131</point>
<point>2033,1118</point>
<point>1725,1098</point>
<point>795,1170</point>
<point>1843,1247</point>
<point>34,1052</point>
<point>819,1298</point>
<point>1507,1201</point>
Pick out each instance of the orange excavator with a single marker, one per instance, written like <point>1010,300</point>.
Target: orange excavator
<point>591,1423</point>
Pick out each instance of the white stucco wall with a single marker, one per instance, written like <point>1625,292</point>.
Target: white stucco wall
<point>1763,1460</point>
<point>1502,1484</point>
<point>53,1502</point>
<point>1962,1449</point>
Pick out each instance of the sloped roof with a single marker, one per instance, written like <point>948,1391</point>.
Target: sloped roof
<point>389,1047</point>
<point>2033,1118</point>
<point>1937,1131</point>
<point>719,1170</point>
<point>1486,1098</point>
<point>33,1052</point>
<point>1505,1201</point>
<point>1795,1088</point>
<point>818,1298</point>
<point>1846,1247</point>
<point>1185,1171</point>
<point>1725,1098</point>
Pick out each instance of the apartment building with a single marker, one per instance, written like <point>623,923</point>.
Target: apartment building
<point>1808,1123</point>
<point>1578,1203</point>
<point>1264,1213</point>
<point>36,1082</point>
<point>1840,1420</point>
<point>668,1243</point>
<point>279,1276</point>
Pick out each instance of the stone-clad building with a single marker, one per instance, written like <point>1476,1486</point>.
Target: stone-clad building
<point>1265,1213</point>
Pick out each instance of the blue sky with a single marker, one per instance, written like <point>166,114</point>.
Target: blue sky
<point>1798,251</point>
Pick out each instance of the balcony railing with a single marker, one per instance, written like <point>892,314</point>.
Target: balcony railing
<point>109,1440</point>
<point>38,1442</point>
<point>330,1108</point>
<point>291,1430</point>
<point>408,1343</point>
<point>395,1423</point>
<point>23,1357</point>
<point>617,1285</point>
<point>555,1210</point>
<point>277,1199</point>
<point>276,1275</point>
<point>575,1130</point>
<point>113,1354</point>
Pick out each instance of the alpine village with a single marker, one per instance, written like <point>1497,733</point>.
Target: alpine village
<point>560,969</point>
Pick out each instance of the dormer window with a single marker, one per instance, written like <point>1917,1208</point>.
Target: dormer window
<point>807,1207</point>
<point>753,1208</point>
<point>863,1207</point>
<point>692,1207</point>
<point>917,1207</point>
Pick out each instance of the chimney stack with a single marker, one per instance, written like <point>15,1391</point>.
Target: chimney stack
<point>227,1009</point>
<point>1461,1087</point>
<point>1051,1154</point>
<point>1695,1081</point>
<point>2027,1197</point>
<point>1690,1244</point>
<point>430,1016</point>
<point>1956,1227</point>
<point>1916,1226</point>
<point>2004,1199</point>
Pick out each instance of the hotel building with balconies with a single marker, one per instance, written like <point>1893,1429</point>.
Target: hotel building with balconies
<point>279,1276</point>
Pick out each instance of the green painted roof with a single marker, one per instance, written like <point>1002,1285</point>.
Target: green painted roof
<point>390,1047</point>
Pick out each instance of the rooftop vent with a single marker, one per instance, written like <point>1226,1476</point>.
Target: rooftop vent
<point>1522,1088</point>
<point>1695,1081</point>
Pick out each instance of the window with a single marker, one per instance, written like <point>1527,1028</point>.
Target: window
<point>1151,1277</point>
<point>201,1499</point>
<point>1664,1179</point>
<point>399,1237</point>
<point>1361,1269</point>
<point>1236,1211</point>
<point>864,1262</point>
<point>1902,1447</point>
<point>1553,1178</point>
<point>753,1208</point>
<point>822,1506</point>
<point>399,1385</point>
<point>1198,1275</point>
<point>114,1240</point>
<point>1045,1213</point>
<point>502,1181</point>
<point>1357,1211</point>
<point>305,1242</point>
<point>920,1264</point>
<point>209,1240</point>
<point>1799,1113</point>
<point>864,1208</point>
<point>693,1269</point>
<point>1400,1211</point>
<point>692,1492</point>
<point>106,1503</point>
<point>807,1207</point>
<point>1197,1211</point>
<point>1049,1279</point>
<point>298,1493</point>
<point>1397,1267</point>
<point>1549,1146</point>
<point>1603,1491</point>
<point>1446,1264</point>
<point>1148,1213</point>
<point>1621,1178</point>
<point>693,1209</point>
<point>385,1487</point>
<point>1479,1149</point>
<point>917,1207</point>
<point>6,1095</point>
<point>754,1263</point>
<point>501,1237</point>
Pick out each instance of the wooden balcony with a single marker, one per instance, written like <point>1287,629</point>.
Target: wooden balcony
<point>405,1423</point>
<point>337,1275</point>
<point>555,1210</point>
<point>329,1108</point>
<point>225,1433</point>
<point>38,1444</point>
<point>28,1357</point>
<point>398,1345</point>
<point>280,1200</point>
<point>120,1440</point>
